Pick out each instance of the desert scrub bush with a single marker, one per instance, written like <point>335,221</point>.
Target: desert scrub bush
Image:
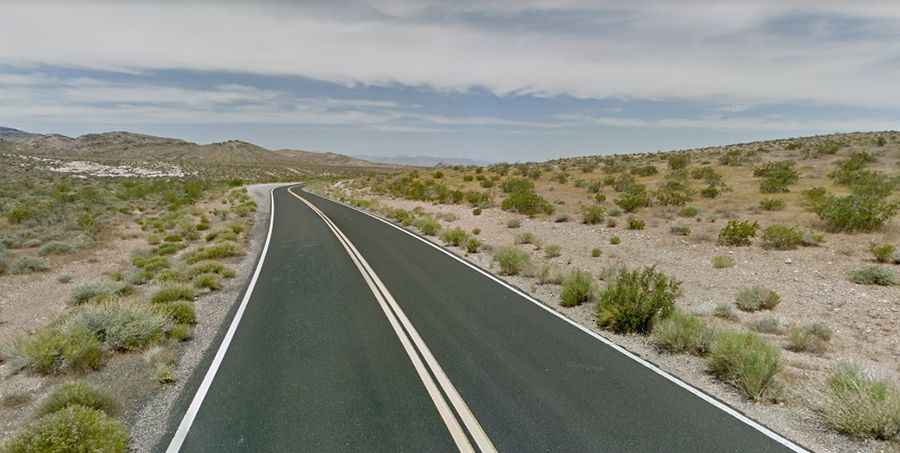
<point>28,265</point>
<point>526,202</point>
<point>595,252</point>
<point>512,260</point>
<point>874,275</point>
<point>771,204</point>
<point>674,192</point>
<point>552,251</point>
<point>476,231</point>
<point>860,405</point>
<point>454,236</point>
<point>148,262</point>
<point>75,428</point>
<point>811,338</point>
<point>429,226</point>
<point>738,233</point>
<point>615,240</point>
<point>883,253</point>
<point>635,300</point>
<point>682,333</point>
<point>209,281</point>
<point>635,223</point>
<point>725,311</point>
<point>777,176</point>
<point>772,326</point>
<point>526,238</point>
<point>722,262</point>
<point>756,299</point>
<point>119,327</point>
<point>680,230</point>
<point>644,170</point>
<point>55,248</point>
<point>577,288</point>
<point>216,251</point>
<point>53,350</point>
<point>513,223</point>
<point>179,312</point>
<point>688,211</point>
<point>97,291</point>
<point>81,394</point>
<point>781,237</point>
<point>592,215</point>
<point>678,161</point>
<point>746,361</point>
<point>473,245</point>
<point>863,210</point>
<point>476,211</point>
<point>634,197</point>
<point>172,294</point>
<point>209,267</point>
<point>549,275</point>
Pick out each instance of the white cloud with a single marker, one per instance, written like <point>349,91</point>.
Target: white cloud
<point>690,49</point>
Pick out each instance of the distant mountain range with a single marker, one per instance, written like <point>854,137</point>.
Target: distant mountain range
<point>422,161</point>
<point>128,146</point>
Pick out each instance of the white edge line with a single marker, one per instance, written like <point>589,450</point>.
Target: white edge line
<point>456,431</point>
<point>475,429</point>
<point>185,426</point>
<point>674,379</point>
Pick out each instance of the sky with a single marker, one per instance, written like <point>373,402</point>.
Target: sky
<point>491,80</point>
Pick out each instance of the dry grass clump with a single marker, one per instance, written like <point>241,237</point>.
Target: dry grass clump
<point>74,428</point>
<point>811,338</point>
<point>635,300</point>
<point>577,288</point>
<point>757,298</point>
<point>746,361</point>
<point>860,405</point>
<point>512,260</point>
<point>682,333</point>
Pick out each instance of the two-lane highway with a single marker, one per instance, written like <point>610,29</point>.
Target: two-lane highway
<point>358,336</point>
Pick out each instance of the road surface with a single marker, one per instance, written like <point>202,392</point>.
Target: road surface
<point>357,336</point>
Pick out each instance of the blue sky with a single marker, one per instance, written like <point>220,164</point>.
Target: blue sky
<point>488,80</point>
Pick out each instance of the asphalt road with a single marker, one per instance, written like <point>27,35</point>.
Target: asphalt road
<point>316,365</point>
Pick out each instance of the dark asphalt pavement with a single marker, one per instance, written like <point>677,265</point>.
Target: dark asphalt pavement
<point>314,365</point>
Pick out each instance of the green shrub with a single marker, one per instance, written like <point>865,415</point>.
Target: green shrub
<point>857,212</point>
<point>97,291</point>
<point>645,170</point>
<point>777,176</point>
<point>476,231</point>
<point>680,230</point>
<point>549,275</point>
<point>52,350</point>
<point>473,245</point>
<point>514,223</point>
<point>768,325</point>
<point>615,240</point>
<point>745,361</point>
<point>771,204</point>
<point>635,300</point>
<point>73,429</point>
<point>511,259</point>
<point>211,282</point>
<point>526,238</point>
<point>151,263</point>
<point>476,211</point>
<point>527,202</point>
<point>181,313</point>
<point>757,298</point>
<point>874,275</point>
<point>28,265</point>
<point>455,237</point>
<point>688,211</point>
<point>682,333</point>
<point>120,327</point>
<point>722,262</point>
<point>674,193</point>
<point>429,226</point>
<point>781,237</point>
<point>678,161</point>
<point>883,253</point>
<point>595,252</point>
<point>55,248</point>
<point>552,251</point>
<point>78,393</point>
<point>738,233</point>
<point>861,406</point>
<point>513,185</point>
<point>726,312</point>
<point>634,197</point>
<point>710,192</point>
<point>577,288</point>
<point>173,293</point>
<point>180,332</point>
<point>209,267</point>
<point>812,338</point>
<point>635,223</point>
<point>216,251</point>
<point>592,215</point>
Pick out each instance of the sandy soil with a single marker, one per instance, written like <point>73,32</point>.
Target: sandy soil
<point>812,282</point>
